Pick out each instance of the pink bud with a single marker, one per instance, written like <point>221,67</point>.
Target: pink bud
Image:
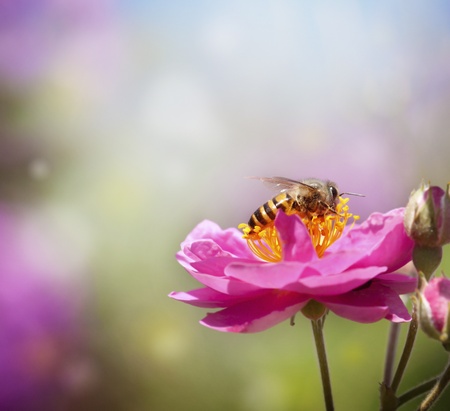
<point>434,305</point>
<point>427,216</point>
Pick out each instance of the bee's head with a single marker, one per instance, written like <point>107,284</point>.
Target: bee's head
<point>333,193</point>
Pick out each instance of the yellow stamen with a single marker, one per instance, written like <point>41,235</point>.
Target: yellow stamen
<point>323,230</point>
<point>264,242</point>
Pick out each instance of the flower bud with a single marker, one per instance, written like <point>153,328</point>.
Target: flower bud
<point>427,222</point>
<point>427,216</point>
<point>434,307</point>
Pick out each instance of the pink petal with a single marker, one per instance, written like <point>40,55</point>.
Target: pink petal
<point>437,293</point>
<point>229,240</point>
<point>336,261</point>
<point>199,250</point>
<point>380,240</point>
<point>297,245</point>
<point>266,276</point>
<point>368,305</point>
<point>300,278</point>
<point>206,298</point>
<point>211,273</point>
<point>225,285</point>
<point>400,283</point>
<point>340,283</point>
<point>217,266</point>
<point>257,314</point>
<point>360,314</point>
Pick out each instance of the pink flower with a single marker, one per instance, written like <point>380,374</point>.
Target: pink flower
<point>434,307</point>
<point>355,278</point>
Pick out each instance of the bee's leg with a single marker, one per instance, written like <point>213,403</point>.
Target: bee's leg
<point>332,210</point>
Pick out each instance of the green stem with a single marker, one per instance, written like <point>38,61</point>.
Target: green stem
<point>416,391</point>
<point>437,390</point>
<point>317,326</point>
<point>410,338</point>
<point>390,353</point>
<point>388,400</point>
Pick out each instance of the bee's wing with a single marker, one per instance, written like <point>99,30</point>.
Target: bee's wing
<point>281,183</point>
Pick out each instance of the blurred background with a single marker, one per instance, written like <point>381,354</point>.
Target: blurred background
<point>123,124</point>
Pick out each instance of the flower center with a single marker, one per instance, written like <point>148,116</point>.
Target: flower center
<point>323,230</point>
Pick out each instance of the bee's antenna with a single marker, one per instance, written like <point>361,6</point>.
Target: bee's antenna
<point>352,194</point>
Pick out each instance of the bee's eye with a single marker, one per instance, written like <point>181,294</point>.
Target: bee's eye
<point>334,192</point>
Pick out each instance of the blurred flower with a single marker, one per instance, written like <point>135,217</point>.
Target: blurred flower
<point>354,278</point>
<point>427,222</point>
<point>36,36</point>
<point>40,327</point>
<point>434,306</point>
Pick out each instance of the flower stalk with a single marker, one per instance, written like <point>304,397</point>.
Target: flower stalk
<point>409,343</point>
<point>391,351</point>
<point>416,391</point>
<point>437,390</point>
<point>317,327</point>
<point>388,398</point>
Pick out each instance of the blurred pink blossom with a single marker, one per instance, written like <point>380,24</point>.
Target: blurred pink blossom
<point>41,339</point>
<point>36,35</point>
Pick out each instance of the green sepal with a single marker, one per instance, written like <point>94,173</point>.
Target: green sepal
<point>427,259</point>
<point>314,310</point>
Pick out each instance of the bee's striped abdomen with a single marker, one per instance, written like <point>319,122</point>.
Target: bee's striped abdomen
<point>266,214</point>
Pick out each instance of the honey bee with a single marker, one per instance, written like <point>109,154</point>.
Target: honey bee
<point>307,198</point>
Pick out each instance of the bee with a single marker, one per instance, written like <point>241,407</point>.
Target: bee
<point>307,198</point>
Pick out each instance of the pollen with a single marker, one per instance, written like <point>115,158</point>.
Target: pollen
<point>264,242</point>
<point>324,230</point>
